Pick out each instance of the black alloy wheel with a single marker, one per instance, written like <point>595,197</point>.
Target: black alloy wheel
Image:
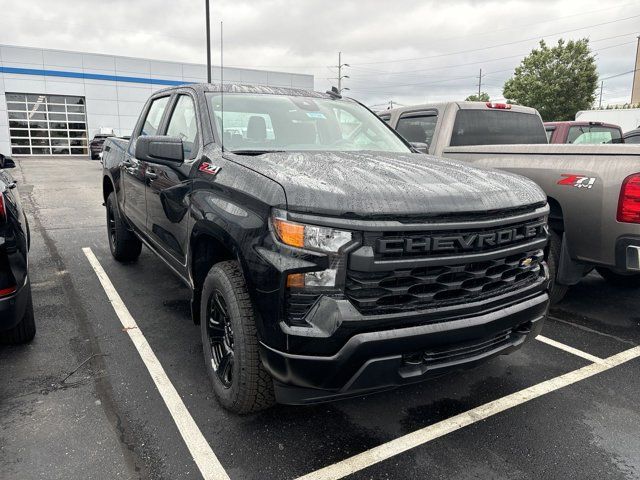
<point>220,333</point>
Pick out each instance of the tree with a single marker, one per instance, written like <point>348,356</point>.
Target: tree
<point>557,81</point>
<point>483,97</point>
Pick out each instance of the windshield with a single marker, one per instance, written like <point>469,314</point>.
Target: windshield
<point>594,134</point>
<point>263,123</point>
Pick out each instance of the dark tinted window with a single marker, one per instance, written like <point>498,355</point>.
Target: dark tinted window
<point>417,128</point>
<point>593,134</point>
<point>633,139</point>
<point>496,127</point>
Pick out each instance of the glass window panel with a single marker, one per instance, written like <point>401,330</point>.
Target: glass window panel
<point>60,151</point>
<point>60,141</point>
<point>78,151</point>
<point>417,128</point>
<point>40,125</point>
<point>20,141</point>
<point>55,99</point>
<point>59,134</point>
<point>14,124</point>
<point>16,106</point>
<point>18,115</point>
<point>15,97</point>
<point>39,133</point>
<point>79,142</point>
<point>37,116</point>
<point>58,125</point>
<point>152,122</point>
<point>75,100</point>
<point>75,109</point>
<point>36,107</point>
<point>36,98</point>
<point>77,134</point>
<point>20,151</point>
<point>19,133</point>
<point>56,108</point>
<point>77,126</point>
<point>40,142</point>
<point>184,125</point>
<point>41,151</point>
<point>57,116</point>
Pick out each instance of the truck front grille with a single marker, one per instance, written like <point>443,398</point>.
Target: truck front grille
<point>422,287</point>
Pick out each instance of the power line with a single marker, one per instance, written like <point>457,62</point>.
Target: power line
<point>498,45</point>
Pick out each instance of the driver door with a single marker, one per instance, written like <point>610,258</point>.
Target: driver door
<point>133,170</point>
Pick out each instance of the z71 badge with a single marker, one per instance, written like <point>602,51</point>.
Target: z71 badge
<point>209,168</point>
<point>578,181</point>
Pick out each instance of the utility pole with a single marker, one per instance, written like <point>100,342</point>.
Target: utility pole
<point>340,76</point>
<point>206,2</point>
<point>635,89</point>
<point>479,83</point>
<point>600,102</point>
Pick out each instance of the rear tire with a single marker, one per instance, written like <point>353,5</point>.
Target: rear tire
<point>556,291</point>
<point>124,245</point>
<point>230,342</point>
<point>629,280</point>
<point>24,331</point>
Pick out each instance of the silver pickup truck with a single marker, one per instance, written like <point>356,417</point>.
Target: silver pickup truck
<point>593,190</point>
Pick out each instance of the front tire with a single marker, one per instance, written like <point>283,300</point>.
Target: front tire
<point>230,342</point>
<point>124,245</point>
<point>24,331</point>
<point>629,280</point>
<point>556,291</point>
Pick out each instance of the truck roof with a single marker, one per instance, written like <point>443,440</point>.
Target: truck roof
<point>253,89</point>
<point>462,106</point>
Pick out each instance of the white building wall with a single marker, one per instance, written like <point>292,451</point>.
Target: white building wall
<point>111,103</point>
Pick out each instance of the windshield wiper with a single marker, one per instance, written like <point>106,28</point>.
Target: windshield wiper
<point>254,152</point>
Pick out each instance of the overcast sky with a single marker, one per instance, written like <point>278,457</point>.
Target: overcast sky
<point>408,51</point>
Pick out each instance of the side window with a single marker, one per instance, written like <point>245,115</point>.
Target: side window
<point>417,128</point>
<point>184,125</point>
<point>154,117</point>
<point>549,132</point>
<point>632,139</point>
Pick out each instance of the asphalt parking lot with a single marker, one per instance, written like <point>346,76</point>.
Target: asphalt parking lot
<point>79,401</point>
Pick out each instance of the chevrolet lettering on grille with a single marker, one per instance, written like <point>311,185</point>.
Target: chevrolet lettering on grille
<point>461,241</point>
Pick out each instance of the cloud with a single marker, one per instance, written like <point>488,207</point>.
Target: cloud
<point>408,51</point>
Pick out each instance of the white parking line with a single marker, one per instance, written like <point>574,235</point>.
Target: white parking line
<point>437,430</point>
<point>567,348</point>
<point>205,459</point>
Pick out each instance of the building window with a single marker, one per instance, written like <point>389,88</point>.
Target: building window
<point>47,124</point>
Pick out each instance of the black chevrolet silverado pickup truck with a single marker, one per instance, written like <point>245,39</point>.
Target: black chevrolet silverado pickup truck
<point>325,257</point>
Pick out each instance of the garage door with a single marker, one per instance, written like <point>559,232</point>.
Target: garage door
<point>47,124</point>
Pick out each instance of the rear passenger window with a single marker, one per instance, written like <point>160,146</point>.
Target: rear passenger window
<point>154,117</point>
<point>417,128</point>
<point>183,125</point>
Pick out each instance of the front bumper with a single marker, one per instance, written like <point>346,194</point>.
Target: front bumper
<point>378,360</point>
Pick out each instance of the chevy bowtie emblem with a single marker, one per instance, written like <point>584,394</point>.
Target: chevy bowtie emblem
<point>526,262</point>
<point>209,168</point>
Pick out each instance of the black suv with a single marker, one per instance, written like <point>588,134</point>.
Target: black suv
<point>96,145</point>
<point>17,324</point>
<point>325,257</point>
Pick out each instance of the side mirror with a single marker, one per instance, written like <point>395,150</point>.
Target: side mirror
<point>420,147</point>
<point>6,162</point>
<point>160,150</point>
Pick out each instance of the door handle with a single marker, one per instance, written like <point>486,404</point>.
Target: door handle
<point>151,174</point>
<point>127,163</point>
<point>12,185</point>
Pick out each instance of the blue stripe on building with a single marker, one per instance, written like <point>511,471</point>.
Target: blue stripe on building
<point>89,76</point>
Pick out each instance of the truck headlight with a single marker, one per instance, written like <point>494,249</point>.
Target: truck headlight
<point>312,237</point>
<point>324,239</point>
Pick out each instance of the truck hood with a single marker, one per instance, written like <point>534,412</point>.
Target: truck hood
<point>374,184</point>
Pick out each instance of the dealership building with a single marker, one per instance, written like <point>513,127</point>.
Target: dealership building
<point>52,102</point>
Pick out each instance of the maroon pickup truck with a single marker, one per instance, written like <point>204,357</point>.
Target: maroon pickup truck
<point>583,132</point>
